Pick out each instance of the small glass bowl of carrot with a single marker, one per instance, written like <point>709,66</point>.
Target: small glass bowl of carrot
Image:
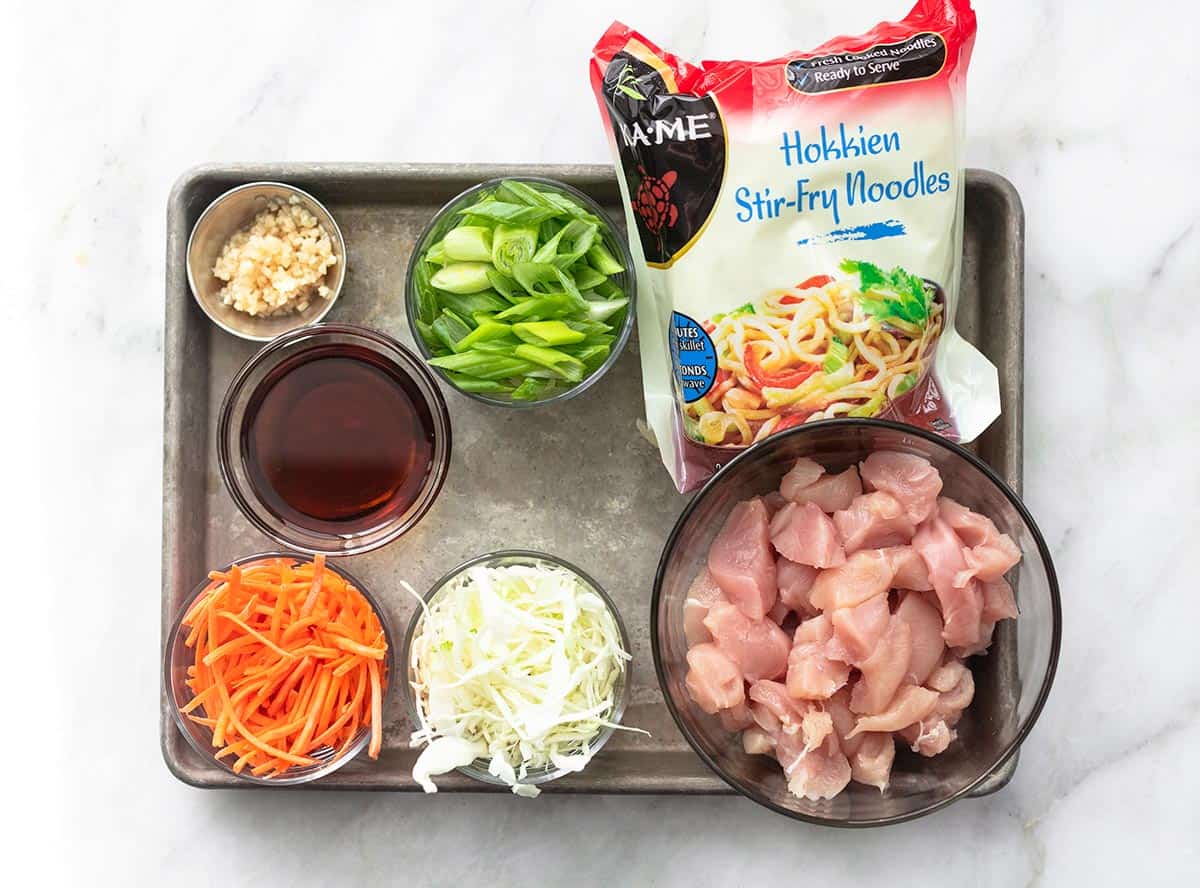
<point>277,668</point>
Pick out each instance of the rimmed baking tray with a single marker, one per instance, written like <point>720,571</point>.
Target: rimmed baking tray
<point>576,479</point>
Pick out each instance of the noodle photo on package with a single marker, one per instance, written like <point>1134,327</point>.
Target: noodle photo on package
<point>826,347</point>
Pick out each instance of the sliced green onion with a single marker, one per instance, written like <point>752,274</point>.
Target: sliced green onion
<point>462,277</point>
<point>837,355</point>
<point>468,243</point>
<point>449,328</point>
<point>602,259</point>
<point>485,331</point>
<point>466,383</point>
<point>485,366</point>
<point>512,245</point>
<point>547,333</point>
<point>568,367</point>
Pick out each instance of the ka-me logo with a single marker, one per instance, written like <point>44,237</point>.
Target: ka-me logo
<point>688,128</point>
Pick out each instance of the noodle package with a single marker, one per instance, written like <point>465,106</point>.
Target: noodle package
<point>798,229</point>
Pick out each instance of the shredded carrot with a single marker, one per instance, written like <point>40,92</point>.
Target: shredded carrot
<point>286,660</point>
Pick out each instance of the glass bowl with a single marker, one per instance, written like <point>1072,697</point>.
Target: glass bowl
<point>178,656</point>
<point>307,342</point>
<point>1012,679</point>
<point>444,220</point>
<point>479,768</point>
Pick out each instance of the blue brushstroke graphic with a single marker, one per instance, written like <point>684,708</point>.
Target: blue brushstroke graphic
<point>871,231</point>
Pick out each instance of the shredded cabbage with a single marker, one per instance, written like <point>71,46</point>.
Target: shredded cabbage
<point>517,664</point>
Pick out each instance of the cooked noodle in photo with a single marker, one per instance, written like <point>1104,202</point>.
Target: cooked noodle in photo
<point>823,348</point>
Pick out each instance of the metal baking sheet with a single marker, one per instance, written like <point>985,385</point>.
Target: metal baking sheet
<point>576,479</point>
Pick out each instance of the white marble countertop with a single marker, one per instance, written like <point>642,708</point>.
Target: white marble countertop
<point>1093,120</point>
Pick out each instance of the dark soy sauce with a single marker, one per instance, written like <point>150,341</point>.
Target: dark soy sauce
<point>337,440</point>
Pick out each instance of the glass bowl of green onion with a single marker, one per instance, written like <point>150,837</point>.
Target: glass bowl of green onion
<point>520,292</point>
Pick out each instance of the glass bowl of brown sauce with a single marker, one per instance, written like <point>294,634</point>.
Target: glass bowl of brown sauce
<point>333,439</point>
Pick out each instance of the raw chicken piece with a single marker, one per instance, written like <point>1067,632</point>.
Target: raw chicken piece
<point>756,741</point>
<point>998,604</point>
<point>871,764</point>
<point>857,630</point>
<point>815,726</point>
<point>795,584</point>
<point>702,594</point>
<point>910,479</point>
<point>758,647</point>
<point>800,476</point>
<point>972,528</point>
<point>838,707</point>
<point>925,625</point>
<point>961,606</point>
<point>779,612</point>
<point>883,672</point>
<point>991,561</point>
<point>806,535</point>
<point>910,570</point>
<point>776,711</point>
<point>742,562</point>
<point>812,674</point>
<point>872,521</point>
<point>910,705</point>
<point>947,676</point>
<point>866,573</point>
<point>713,680</point>
<point>774,501</point>
<point>816,773</point>
<point>929,737</point>
<point>829,492</point>
<point>764,716</point>
<point>989,553</point>
<point>736,718</point>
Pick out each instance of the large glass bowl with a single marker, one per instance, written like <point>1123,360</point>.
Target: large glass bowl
<point>177,656</point>
<point>447,217</point>
<point>479,768</point>
<point>1012,680</point>
<point>308,342</point>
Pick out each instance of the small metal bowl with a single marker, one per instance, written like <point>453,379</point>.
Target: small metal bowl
<point>177,656</point>
<point>224,216</point>
<point>478,769</point>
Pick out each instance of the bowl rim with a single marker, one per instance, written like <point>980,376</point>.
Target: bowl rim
<point>339,244</point>
<point>620,701</point>
<point>1039,542</point>
<point>631,288</point>
<point>207,752</point>
<point>437,406</point>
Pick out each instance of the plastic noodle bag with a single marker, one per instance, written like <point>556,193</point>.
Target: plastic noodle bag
<point>797,224</point>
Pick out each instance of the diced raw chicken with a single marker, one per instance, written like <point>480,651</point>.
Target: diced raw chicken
<point>989,553</point>
<point>883,672</point>
<point>957,696</point>
<point>815,726</point>
<point>756,741</point>
<point>702,594</point>
<point>972,528</point>
<point>806,535</point>
<point>764,716</point>
<point>795,584</point>
<point>737,718</point>
<point>929,737</point>
<point>742,562</point>
<point>871,763</point>
<point>999,603</point>
<point>758,647</point>
<point>865,574</point>
<point>873,521</point>
<point>775,700</point>
<point>961,606</point>
<point>713,680</point>
<point>799,476</point>
<point>779,612</point>
<point>813,774</point>
<point>925,624</point>
<point>838,707</point>
<point>991,561</point>
<point>812,674</point>
<point>910,479</point>
<point>829,492</point>
<point>947,676</point>
<point>910,705</point>
<point>856,630</point>
<point>774,501</point>
<point>909,567</point>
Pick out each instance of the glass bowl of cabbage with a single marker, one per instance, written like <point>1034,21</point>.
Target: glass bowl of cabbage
<point>518,672</point>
